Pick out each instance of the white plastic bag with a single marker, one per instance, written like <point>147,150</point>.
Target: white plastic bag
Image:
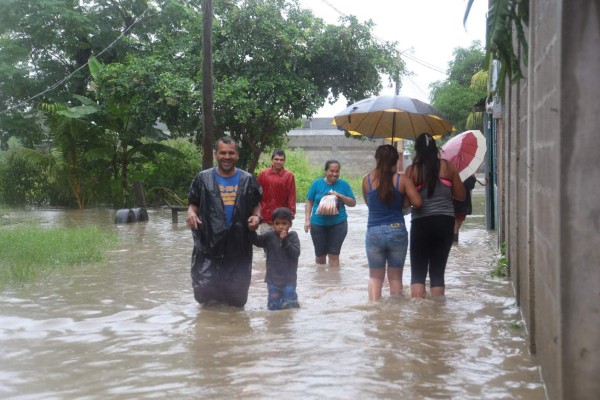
<point>328,205</point>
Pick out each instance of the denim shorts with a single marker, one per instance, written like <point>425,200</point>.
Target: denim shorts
<point>386,243</point>
<point>328,239</point>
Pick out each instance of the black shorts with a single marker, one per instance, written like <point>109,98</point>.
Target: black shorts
<point>328,239</point>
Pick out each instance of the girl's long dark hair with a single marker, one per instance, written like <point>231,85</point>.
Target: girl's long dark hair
<point>386,157</point>
<point>426,163</point>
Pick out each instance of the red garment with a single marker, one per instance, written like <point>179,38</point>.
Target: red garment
<point>279,190</point>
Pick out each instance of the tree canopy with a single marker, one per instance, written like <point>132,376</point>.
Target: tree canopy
<point>455,96</point>
<point>45,46</point>
<point>274,63</point>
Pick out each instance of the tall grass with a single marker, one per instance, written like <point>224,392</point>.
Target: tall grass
<point>304,173</point>
<point>28,252</point>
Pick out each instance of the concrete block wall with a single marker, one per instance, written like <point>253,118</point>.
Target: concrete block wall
<point>580,198</point>
<point>356,156</point>
<point>552,199</point>
<point>545,189</point>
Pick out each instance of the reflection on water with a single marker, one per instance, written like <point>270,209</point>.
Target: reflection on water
<point>129,327</point>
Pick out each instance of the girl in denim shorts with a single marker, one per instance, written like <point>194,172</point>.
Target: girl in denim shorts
<point>386,192</point>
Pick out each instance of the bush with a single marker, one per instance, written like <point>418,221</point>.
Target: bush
<point>20,183</point>
<point>501,269</point>
<point>304,173</point>
<point>167,178</point>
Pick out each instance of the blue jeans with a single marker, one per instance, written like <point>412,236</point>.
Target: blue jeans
<point>386,243</point>
<point>282,297</point>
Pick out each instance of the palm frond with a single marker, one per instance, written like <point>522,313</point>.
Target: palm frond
<point>503,17</point>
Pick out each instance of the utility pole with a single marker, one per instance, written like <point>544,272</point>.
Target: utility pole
<point>207,86</point>
<point>400,143</point>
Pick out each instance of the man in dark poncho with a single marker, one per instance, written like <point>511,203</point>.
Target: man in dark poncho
<point>223,207</point>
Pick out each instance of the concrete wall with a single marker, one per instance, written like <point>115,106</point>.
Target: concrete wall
<point>356,157</point>
<point>551,204</point>
<point>580,199</point>
<point>321,142</point>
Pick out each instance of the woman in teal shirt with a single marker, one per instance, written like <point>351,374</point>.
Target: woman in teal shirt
<point>328,231</point>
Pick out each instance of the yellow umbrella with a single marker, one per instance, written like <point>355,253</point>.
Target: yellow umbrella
<point>392,118</point>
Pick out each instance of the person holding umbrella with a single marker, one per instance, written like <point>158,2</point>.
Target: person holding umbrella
<point>466,151</point>
<point>464,208</point>
<point>432,226</point>
<point>385,192</point>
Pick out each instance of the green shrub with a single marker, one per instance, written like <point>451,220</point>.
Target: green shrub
<point>516,325</point>
<point>167,178</point>
<point>20,183</point>
<point>356,185</point>
<point>304,173</point>
<point>501,269</point>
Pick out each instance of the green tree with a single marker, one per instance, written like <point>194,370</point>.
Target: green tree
<point>455,96</point>
<point>503,18</point>
<point>64,160</point>
<point>167,177</point>
<point>20,182</point>
<point>275,63</point>
<point>45,45</point>
<point>475,118</point>
<point>128,123</point>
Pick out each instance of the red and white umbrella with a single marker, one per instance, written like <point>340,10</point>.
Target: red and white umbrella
<point>466,151</point>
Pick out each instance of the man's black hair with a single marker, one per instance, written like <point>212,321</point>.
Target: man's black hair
<point>278,152</point>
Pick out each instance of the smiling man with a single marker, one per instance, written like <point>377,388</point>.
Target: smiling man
<point>223,207</point>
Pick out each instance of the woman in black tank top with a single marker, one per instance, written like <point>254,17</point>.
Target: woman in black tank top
<point>432,231</point>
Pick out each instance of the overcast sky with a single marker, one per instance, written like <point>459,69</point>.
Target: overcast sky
<point>428,30</point>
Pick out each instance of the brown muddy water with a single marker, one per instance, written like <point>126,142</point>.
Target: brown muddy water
<point>129,328</point>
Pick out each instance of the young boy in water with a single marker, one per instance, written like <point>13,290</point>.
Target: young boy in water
<point>283,250</point>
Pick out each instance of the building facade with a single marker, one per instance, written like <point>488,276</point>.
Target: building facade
<point>548,185</point>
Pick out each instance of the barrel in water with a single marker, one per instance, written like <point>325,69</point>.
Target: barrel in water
<point>140,214</point>
<point>127,215</point>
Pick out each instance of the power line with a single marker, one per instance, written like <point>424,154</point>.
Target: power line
<point>334,9</point>
<point>65,79</point>
<point>425,64</point>
<point>415,85</point>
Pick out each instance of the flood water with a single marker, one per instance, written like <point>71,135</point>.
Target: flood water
<point>129,327</point>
